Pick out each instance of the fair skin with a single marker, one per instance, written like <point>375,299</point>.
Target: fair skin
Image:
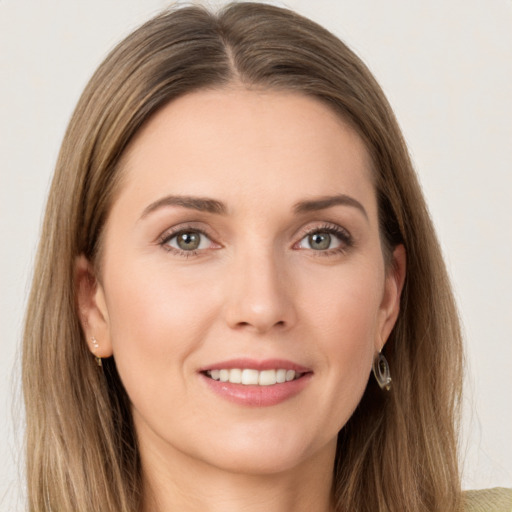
<point>266,274</point>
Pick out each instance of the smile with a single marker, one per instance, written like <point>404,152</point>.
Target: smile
<point>252,377</point>
<point>256,383</point>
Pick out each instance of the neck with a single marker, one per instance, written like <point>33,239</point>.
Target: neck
<point>179,483</point>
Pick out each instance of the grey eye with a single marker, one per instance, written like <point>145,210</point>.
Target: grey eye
<point>189,241</point>
<point>319,241</point>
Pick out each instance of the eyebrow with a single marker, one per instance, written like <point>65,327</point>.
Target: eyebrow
<point>205,204</point>
<point>202,204</point>
<point>325,202</point>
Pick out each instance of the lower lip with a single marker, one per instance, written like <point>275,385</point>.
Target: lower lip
<point>257,396</point>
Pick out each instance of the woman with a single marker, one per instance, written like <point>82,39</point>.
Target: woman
<point>228,233</point>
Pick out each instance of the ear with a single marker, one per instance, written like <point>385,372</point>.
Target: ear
<point>390,305</point>
<point>93,308</point>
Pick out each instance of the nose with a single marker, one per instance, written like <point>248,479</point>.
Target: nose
<point>259,295</point>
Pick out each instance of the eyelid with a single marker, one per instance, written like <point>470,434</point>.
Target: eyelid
<point>198,226</point>
<point>172,232</point>
<point>327,226</point>
<point>342,233</point>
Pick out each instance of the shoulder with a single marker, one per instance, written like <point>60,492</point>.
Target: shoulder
<point>498,499</point>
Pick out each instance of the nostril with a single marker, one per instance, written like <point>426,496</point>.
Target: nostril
<point>244,325</point>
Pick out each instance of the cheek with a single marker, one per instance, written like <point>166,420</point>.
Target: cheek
<point>345,305</point>
<point>157,317</point>
<point>344,316</point>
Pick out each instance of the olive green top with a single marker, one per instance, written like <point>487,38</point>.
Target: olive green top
<point>498,499</point>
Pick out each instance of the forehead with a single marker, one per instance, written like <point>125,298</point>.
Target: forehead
<point>238,144</point>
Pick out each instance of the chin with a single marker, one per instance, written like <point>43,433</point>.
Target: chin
<point>259,463</point>
<point>266,453</point>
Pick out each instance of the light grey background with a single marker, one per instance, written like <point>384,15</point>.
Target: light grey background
<point>446,67</point>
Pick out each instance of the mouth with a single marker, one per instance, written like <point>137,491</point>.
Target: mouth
<point>256,383</point>
<point>254,377</point>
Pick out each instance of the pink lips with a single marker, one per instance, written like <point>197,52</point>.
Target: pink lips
<point>257,395</point>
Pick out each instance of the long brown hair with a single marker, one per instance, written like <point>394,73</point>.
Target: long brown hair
<point>398,451</point>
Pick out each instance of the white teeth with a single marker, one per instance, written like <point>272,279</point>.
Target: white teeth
<point>281,376</point>
<point>251,377</point>
<point>235,376</point>
<point>267,378</point>
<point>290,375</point>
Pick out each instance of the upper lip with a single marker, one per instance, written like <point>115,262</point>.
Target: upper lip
<point>254,364</point>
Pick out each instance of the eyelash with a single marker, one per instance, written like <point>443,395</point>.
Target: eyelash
<point>169,235</point>
<point>342,234</point>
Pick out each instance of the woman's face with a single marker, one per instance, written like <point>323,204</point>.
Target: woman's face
<point>244,291</point>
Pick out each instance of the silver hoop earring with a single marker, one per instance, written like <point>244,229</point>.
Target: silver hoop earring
<point>381,372</point>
